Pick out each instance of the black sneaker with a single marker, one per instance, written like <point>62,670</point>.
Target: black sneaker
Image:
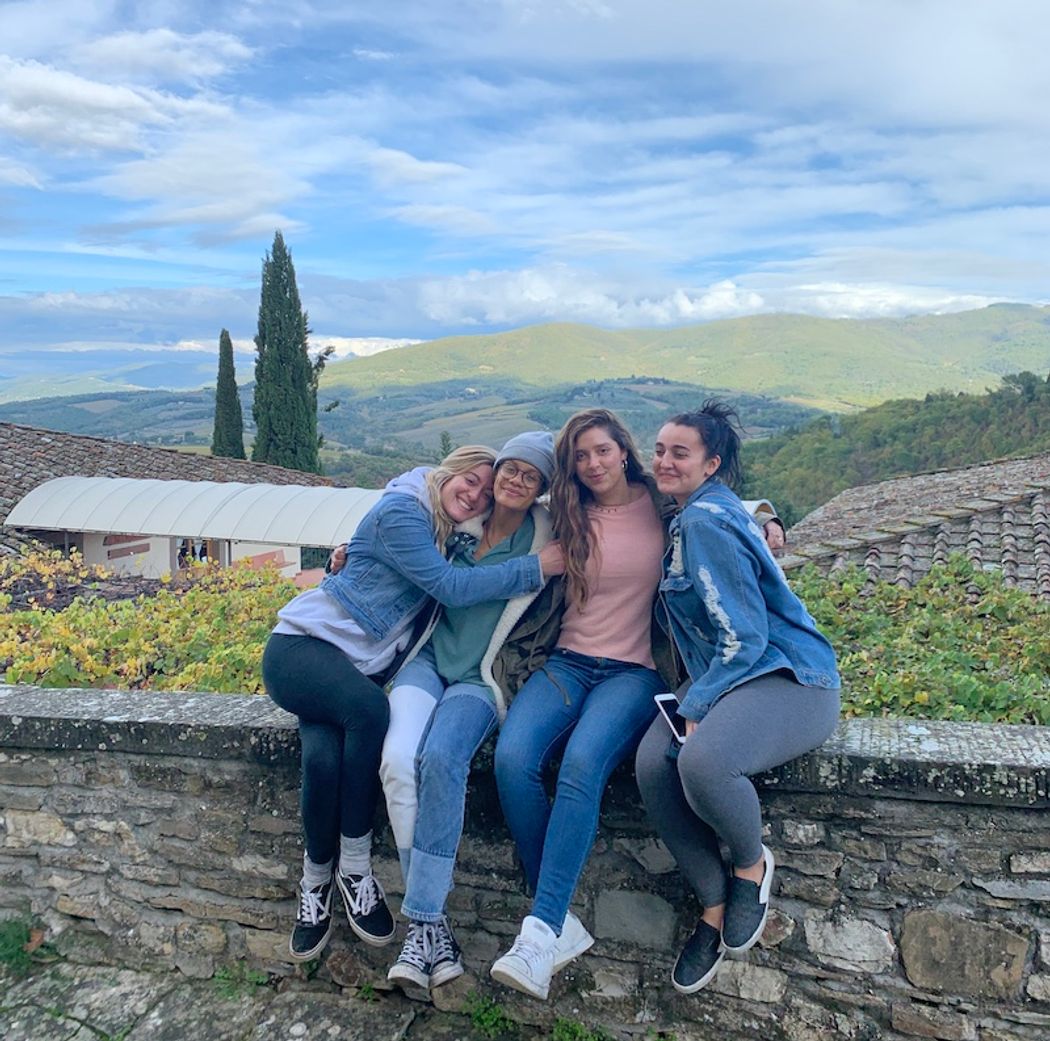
<point>411,971</point>
<point>366,908</point>
<point>313,923</point>
<point>747,907</point>
<point>698,963</point>
<point>447,961</point>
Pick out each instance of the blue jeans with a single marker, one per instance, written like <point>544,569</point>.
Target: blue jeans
<point>592,711</point>
<point>465,716</point>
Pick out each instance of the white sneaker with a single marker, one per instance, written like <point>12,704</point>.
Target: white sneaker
<point>574,940</point>
<point>529,963</point>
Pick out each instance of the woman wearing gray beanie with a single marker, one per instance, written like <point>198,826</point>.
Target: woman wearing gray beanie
<point>444,704</point>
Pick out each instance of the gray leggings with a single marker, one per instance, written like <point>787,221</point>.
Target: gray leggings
<point>704,793</point>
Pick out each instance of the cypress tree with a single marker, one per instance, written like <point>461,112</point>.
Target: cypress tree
<point>228,436</point>
<point>285,404</point>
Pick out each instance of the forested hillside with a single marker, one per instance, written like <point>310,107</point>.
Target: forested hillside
<point>801,470</point>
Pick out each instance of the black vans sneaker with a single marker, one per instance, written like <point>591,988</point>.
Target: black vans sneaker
<point>313,922</point>
<point>366,908</point>
<point>747,907</point>
<point>698,963</point>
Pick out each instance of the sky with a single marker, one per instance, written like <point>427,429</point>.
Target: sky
<point>475,165</point>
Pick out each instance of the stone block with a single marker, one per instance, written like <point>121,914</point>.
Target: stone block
<point>853,944</point>
<point>250,864</point>
<point>270,824</point>
<point>802,833</point>
<point>924,1021</point>
<point>652,854</point>
<point>864,849</point>
<point>812,862</point>
<point>77,860</point>
<point>79,906</point>
<point>1044,947</point>
<point>779,927</point>
<point>740,979</point>
<point>949,954</point>
<point>1031,863</point>
<point>28,829</point>
<point>1038,988</point>
<point>975,858</point>
<point>157,939</point>
<point>268,945</point>
<point>226,911</point>
<point>634,917</point>
<point>27,772</point>
<point>1035,890</point>
<point>195,966</point>
<point>12,798</point>
<point>179,827</point>
<point>920,882</point>
<point>200,938</point>
<point>150,874</point>
<point>614,981</point>
<point>811,890</point>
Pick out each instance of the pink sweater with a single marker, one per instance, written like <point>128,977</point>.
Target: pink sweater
<point>622,578</point>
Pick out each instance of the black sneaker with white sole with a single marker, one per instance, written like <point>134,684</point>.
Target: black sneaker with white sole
<point>698,963</point>
<point>313,923</point>
<point>411,971</point>
<point>366,908</point>
<point>747,907</point>
<point>446,957</point>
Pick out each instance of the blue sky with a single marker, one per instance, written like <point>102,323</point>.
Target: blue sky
<point>472,165</point>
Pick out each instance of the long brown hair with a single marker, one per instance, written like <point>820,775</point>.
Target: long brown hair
<point>458,461</point>
<point>570,499</point>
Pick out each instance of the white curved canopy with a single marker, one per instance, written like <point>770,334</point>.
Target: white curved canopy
<point>284,515</point>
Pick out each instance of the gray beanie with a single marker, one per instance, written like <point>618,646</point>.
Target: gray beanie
<point>535,447</point>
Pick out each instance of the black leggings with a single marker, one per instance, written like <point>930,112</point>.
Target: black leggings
<point>343,717</point>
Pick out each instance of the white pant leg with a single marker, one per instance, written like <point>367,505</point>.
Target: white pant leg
<point>410,710</point>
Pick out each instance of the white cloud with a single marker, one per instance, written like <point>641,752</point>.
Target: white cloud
<point>162,55</point>
<point>57,109</point>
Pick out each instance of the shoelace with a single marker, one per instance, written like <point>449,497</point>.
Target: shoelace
<point>419,945</point>
<point>528,950</point>
<point>365,894</point>
<point>311,906</point>
<point>444,945</point>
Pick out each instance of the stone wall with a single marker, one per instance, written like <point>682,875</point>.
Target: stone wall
<point>911,891</point>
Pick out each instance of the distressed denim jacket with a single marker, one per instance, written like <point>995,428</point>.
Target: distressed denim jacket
<point>392,566</point>
<point>731,613</point>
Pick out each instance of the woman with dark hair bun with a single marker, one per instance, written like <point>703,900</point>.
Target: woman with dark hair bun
<point>762,689</point>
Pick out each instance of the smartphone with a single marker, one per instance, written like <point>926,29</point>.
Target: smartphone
<point>668,706</point>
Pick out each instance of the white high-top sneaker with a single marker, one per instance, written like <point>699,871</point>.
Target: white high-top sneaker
<point>574,940</point>
<point>529,963</point>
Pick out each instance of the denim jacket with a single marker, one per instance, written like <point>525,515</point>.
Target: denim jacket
<point>392,566</point>
<point>731,612</point>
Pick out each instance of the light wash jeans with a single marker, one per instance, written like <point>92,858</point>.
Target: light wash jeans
<point>593,712</point>
<point>465,715</point>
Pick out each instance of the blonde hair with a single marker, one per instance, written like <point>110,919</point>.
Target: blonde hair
<point>459,461</point>
<point>570,498</point>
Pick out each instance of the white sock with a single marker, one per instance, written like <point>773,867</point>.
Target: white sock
<point>315,875</point>
<point>355,854</point>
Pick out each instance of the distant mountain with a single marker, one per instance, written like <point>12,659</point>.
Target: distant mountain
<point>837,365</point>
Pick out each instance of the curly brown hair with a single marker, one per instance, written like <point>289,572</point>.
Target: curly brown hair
<point>570,499</point>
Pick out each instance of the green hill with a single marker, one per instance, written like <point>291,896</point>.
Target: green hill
<point>833,364</point>
<point>800,471</point>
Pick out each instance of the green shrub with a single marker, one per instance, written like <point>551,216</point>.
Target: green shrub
<point>959,645</point>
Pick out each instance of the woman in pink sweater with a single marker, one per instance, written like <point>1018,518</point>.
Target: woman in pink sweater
<point>592,701</point>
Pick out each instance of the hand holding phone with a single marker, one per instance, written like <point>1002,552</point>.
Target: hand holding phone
<point>668,705</point>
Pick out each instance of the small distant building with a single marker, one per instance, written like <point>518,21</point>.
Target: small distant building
<point>31,457</point>
<point>997,514</point>
<point>151,527</point>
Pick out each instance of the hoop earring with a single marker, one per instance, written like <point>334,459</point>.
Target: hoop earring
<point>624,465</point>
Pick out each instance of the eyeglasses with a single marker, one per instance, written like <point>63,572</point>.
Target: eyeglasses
<point>530,478</point>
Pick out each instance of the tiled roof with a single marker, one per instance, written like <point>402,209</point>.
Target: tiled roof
<point>997,513</point>
<point>30,455</point>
